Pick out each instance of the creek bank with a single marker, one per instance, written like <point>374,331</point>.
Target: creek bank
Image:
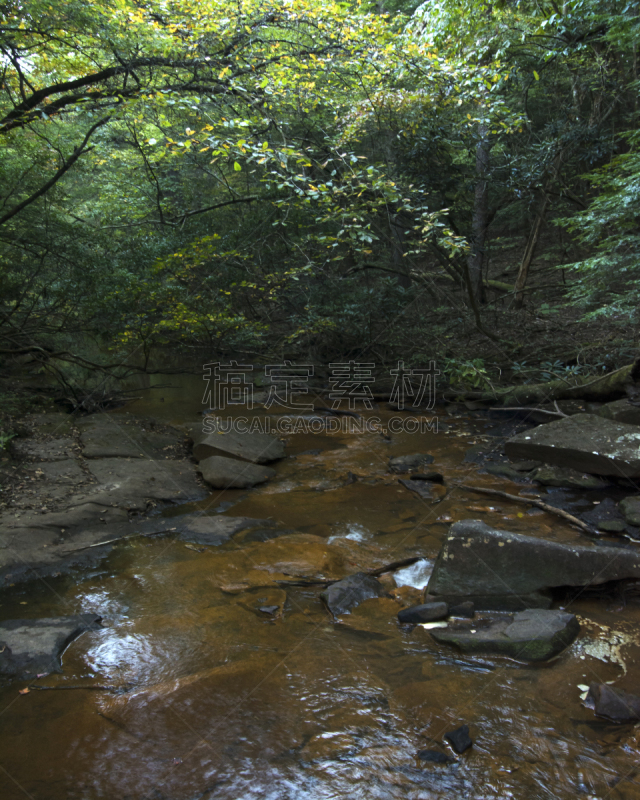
<point>66,503</point>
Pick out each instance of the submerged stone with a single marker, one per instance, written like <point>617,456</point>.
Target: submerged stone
<point>567,478</point>
<point>412,463</point>
<point>30,647</point>
<point>465,609</point>
<point>614,704</point>
<point>459,739</point>
<point>532,635</point>
<point>228,473</point>
<point>504,471</point>
<point>344,595</point>
<point>584,442</point>
<point>202,529</point>
<point>520,566</point>
<point>427,612</point>
<point>434,757</point>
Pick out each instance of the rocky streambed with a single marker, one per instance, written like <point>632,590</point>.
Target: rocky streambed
<point>357,623</point>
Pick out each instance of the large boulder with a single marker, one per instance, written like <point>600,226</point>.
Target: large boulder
<point>613,703</point>
<point>344,595</point>
<point>533,635</point>
<point>621,411</point>
<point>630,507</point>
<point>584,442</point>
<point>501,570</point>
<point>30,647</point>
<point>259,448</point>
<point>228,473</point>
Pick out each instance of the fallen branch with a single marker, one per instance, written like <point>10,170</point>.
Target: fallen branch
<point>534,502</point>
<point>556,413</point>
<point>90,687</point>
<point>121,539</point>
<point>406,562</point>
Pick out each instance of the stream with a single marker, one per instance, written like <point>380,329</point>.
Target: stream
<point>191,691</point>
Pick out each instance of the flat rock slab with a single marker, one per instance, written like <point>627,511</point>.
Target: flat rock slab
<point>348,593</point>
<point>59,449</point>
<point>228,473</point>
<point>34,646</point>
<point>477,561</point>
<point>119,436</point>
<point>584,442</point>
<point>567,478</point>
<point>413,463</point>
<point>67,471</point>
<point>614,704</point>
<point>532,635</point>
<point>259,448</point>
<point>131,483</point>
<point>630,507</point>
<point>50,422</point>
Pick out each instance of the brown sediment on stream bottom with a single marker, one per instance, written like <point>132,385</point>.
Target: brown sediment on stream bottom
<point>224,683</point>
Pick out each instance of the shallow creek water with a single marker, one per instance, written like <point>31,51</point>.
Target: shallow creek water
<point>190,691</point>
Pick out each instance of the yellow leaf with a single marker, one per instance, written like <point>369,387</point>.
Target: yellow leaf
<point>535,75</point>
<point>237,166</point>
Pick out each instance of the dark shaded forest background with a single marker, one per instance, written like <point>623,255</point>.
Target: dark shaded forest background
<point>189,181</point>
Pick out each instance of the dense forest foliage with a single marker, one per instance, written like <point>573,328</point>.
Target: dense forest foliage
<point>320,181</point>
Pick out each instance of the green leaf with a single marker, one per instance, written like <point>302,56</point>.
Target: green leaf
<point>237,166</point>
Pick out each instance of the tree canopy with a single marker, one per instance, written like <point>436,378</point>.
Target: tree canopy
<point>317,178</point>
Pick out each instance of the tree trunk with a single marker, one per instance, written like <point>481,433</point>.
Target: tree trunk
<point>398,235</point>
<point>534,236</point>
<point>527,258</point>
<point>480,218</point>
